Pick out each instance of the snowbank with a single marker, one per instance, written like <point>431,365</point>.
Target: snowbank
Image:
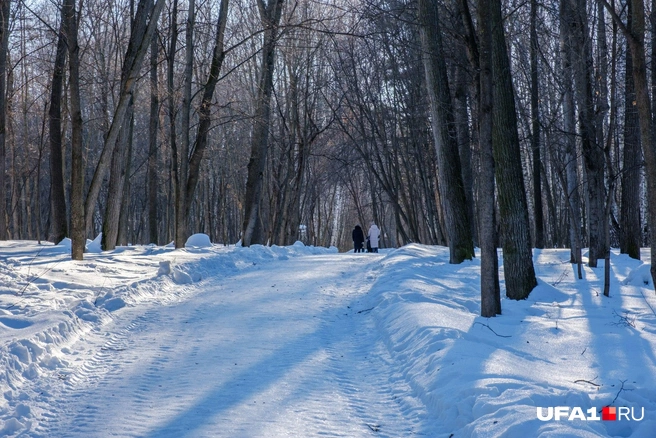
<point>566,345</point>
<point>48,301</point>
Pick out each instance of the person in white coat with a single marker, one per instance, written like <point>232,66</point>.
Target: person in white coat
<point>373,236</point>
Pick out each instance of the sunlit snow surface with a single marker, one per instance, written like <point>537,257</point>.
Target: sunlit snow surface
<point>224,341</point>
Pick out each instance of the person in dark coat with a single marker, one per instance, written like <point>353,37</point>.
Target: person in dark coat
<point>358,238</point>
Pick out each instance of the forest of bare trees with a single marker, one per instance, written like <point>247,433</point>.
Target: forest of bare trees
<point>495,124</point>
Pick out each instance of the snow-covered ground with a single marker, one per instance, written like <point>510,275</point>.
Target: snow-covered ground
<point>211,340</point>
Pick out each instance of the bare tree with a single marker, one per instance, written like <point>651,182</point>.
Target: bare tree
<point>482,60</point>
<point>69,17</point>
<point>635,36</point>
<point>5,8</point>
<point>181,165</point>
<point>535,129</point>
<point>593,155</point>
<point>58,216</point>
<point>143,29</point>
<point>152,181</point>
<point>569,176</point>
<point>630,229</point>
<point>452,190</point>
<point>188,185</point>
<point>517,255</point>
<point>270,14</point>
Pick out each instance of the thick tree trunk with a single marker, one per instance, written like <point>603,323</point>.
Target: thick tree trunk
<point>5,6</point>
<point>270,16</point>
<point>630,229</point>
<point>58,217</point>
<point>461,112</point>
<point>182,162</point>
<point>490,289</point>
<point>452,190</point>
<point>517,255</point>
<point>78,235</point>
<point>647,137</point>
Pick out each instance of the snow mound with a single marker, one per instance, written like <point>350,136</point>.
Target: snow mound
<point>640,276</point>
<point>198,240</point>
<point>94,246</point>
<point>164,268</point>
<point>65,243</point>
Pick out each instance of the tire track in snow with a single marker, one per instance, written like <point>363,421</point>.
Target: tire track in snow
<point>290,356</point>
<point>103,355</point>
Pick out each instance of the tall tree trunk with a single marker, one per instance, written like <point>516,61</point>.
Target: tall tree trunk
<point>635,36</point>
<point>490,289</point>
<point>461,112</point>
<point>570,182</point>
<point>630,229</point>
<point>601,111</point>
<point>204,113</point>
<point>145,23</point>
<point>535,129</point>
<point>116,189</point>
<point>124,217</point>
<point>172,113</point>
<point>188,167</point>
<point>181,217</point>
<point>58,217</point>
<point>270,15</point>
<point>517,255</point>
<point>136,51</point>
<point>78,235</point>
<point>152,182</point>
<point>452,190</point>
<point>593,155</point>
<point>603,108</point>
<point>5,8</point>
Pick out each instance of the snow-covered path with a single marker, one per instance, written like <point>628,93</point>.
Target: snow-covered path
<point>224,341</point>
<point>259,353</point>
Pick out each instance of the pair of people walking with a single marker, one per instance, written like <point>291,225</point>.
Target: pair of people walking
<point>372,238</point>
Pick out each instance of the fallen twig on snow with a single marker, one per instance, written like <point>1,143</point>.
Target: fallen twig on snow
<point>375,427</point>
<point>490,328</point>
<point>588,381</point>
<point>625,320</point>
<point>619,392</point>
